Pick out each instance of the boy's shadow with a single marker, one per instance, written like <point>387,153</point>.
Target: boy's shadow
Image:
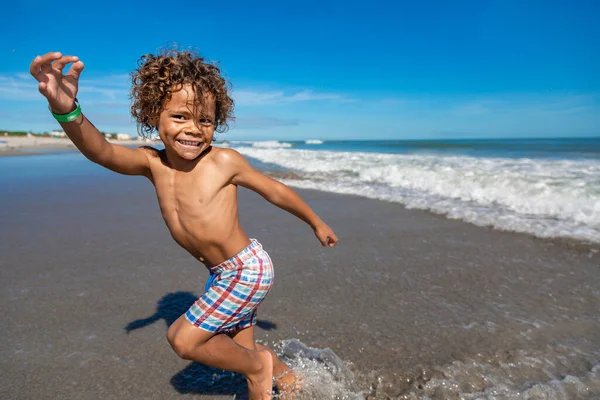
<point>195,378</point>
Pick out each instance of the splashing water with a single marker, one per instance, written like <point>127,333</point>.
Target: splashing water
<point>560,373</point>
<point>324,374</point>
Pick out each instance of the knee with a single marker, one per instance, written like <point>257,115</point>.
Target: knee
<point>177,341</point>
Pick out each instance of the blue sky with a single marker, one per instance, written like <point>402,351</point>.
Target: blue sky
<point>330,69</point>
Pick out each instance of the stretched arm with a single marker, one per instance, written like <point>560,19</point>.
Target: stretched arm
<point>61,90</point>
<point>278,194</point>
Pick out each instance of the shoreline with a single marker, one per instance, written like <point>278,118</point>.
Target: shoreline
<point>565,241</point>
<point>36,146</point>
<point>26,146</point>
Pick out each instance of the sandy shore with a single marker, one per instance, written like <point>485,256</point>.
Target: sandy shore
<point>91,279</point>
<point>20,146</point>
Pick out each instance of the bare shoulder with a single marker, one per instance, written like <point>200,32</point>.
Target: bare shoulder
<point>150,151</point>
<point>226,157</point>
<point>225,154</point>
<point>156,158</point>
<point>231,163</point>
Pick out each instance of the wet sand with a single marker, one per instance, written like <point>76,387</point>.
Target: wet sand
<point>26,146</point>
<point>91,279</point>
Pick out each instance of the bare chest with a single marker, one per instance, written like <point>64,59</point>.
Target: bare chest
<point>188,196</point>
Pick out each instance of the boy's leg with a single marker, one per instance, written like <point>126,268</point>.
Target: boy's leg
<point>285,378</point>
<point>221,351</point>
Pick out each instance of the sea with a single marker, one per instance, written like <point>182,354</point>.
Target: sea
<point>544,187</point>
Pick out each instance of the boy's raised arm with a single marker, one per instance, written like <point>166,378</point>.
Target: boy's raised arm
<point>61,92</point>
<point>277,193</point>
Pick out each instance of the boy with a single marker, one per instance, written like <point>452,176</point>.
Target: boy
<point>185,100</point>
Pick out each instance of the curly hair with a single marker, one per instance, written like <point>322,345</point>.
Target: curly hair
<point>157,76</point>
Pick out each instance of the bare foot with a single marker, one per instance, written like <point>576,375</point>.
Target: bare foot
<point>260,384</point>
<point>288,384</point>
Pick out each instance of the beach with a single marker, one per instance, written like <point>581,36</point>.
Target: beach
<point>32,145</point>
<point>411,304</point>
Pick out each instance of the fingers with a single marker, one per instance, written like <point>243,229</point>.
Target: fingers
<point>332,240</point>
<point>76,69</point>
<point>42,62</point>
<point>48,59</point>
<point>34,67</point>
<point>326,236</point>
<point>53,61</point>
<point>59,64</point>
<point>43,88</point>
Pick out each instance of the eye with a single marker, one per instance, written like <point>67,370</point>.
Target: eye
<point>178,116</point>
<point>206,122</point>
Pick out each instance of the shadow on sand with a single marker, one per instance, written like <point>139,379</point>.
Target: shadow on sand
<point>196,378</point>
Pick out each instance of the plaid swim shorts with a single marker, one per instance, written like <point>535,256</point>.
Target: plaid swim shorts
<point>234,290</point>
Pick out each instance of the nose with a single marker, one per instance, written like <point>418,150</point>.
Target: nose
<point>193,128</point>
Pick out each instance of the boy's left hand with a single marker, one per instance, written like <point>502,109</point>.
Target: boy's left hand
<point>326,236</point>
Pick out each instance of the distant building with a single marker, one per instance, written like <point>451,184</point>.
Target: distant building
<point>122,136</point>
<point>58,134</point>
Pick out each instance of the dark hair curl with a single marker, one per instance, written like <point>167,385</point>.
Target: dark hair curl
<point>157,76</point>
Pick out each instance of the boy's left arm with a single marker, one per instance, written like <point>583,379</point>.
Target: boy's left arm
<point>278,194</point>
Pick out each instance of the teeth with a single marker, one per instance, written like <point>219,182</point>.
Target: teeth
<point>189,143</point>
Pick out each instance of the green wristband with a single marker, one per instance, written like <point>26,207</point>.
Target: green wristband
<point>70,117</point>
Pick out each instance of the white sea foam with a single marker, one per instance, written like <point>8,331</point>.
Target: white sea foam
<point>273,144</point>
<point>529,375</point>
<point>547,198</point>
<point>520,375</point>
<point>324,374</point>
<point>313,141</point>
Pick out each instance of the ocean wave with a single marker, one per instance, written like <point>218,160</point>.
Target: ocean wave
<point>547,198</point>
<point>313,141</point>
<point>261,144</point>
<point>271,144</point>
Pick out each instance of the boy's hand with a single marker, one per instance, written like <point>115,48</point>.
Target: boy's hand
<point>59,89</point>
<point>326,235</point>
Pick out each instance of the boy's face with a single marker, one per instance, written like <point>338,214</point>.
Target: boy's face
<point>186,131</point>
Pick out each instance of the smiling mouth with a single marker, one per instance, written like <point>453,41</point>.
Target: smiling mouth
<point>189,143</point>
